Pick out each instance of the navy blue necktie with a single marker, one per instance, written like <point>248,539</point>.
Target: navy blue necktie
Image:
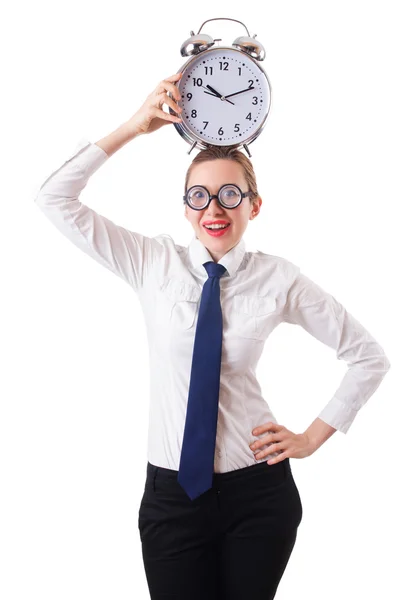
<point>198,448</point>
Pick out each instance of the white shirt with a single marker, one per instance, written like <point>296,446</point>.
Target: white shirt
<point>258,292</point>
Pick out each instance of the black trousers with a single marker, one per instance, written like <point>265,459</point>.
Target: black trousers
<point>231,543</point>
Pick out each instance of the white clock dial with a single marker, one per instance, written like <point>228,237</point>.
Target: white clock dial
<point>243,103</point>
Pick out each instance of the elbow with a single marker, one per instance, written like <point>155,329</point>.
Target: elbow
<point>39,198</point>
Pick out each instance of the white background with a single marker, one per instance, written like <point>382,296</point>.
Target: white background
<point>74,384</point>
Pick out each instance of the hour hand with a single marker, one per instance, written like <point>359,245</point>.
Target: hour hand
<point>217,94</point>
<point>214,91</point>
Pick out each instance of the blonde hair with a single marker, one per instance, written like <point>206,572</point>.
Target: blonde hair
<point>229,153</point>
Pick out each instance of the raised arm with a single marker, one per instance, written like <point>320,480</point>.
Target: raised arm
<point>127,254</point>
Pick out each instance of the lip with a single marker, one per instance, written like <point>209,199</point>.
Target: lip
<point>217,232</point>
<point>216,222</point>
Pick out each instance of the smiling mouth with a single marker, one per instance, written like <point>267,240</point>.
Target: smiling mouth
<point>218,232</point>
<point>217,228</point>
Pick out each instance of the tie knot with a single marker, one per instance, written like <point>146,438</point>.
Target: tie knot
<point>214,269</point>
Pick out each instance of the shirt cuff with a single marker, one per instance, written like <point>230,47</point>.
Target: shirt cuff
<point>88,156</point>
<point>338,415</point>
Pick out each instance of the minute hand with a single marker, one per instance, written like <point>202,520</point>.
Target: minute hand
<point>235,93</point>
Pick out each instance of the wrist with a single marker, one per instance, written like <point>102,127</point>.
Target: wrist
<point>117,139</point>
<point>310,442</point>
<point>317,433</point>
<point>129,129</point>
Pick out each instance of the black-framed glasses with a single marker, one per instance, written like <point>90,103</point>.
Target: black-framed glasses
<point>229,196</point>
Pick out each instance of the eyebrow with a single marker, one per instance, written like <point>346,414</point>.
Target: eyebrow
<point>227,183</point>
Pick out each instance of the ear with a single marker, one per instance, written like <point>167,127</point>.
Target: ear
<point>256,207</point>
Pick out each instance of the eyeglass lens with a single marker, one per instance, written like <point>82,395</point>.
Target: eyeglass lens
<point>229,195</point>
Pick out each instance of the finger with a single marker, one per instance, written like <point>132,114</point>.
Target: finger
<point>278,458</point>
<point>165,87</point>
<point>165,99</point>
<point>174,77</point>
<point>271,438</point>
<point>266,427</point>
<point>271,450</point>
<point>275,447</point>
<point>167,84</point>
<point>166,116</point>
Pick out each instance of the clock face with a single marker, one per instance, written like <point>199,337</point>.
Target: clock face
<point>225,97</point>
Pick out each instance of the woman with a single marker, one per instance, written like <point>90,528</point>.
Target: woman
<point>220,509</point>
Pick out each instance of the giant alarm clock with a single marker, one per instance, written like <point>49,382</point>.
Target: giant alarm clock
<point>225,93</point>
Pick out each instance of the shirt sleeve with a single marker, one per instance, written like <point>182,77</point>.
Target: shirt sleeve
<point>129,255</point>
<point>321,315</point>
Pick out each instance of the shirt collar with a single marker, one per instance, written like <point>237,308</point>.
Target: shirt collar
<point>199,254</point>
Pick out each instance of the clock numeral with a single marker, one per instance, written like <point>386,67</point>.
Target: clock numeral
<point>206,123</point>
<point>251,82</point>
<point>194,113</point>
<point>225,67</point>
<point>208,68</point>
<point>237,125</point>
<point>255,98</point>
<point>220,131</point>
<point>198,81</point>
<point>189,96</point>
<point>248,117</point>
<point>239,70</point>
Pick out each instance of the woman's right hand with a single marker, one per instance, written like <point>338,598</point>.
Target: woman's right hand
<point>151,116</point>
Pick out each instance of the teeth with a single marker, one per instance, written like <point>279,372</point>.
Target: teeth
<point>216,226</point>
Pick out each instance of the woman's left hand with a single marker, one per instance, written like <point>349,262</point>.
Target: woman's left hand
<point>291,445</point>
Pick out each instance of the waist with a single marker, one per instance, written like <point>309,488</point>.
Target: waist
<point>218,478</point>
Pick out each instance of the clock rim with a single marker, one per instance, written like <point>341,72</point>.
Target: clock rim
<point>191,137</point>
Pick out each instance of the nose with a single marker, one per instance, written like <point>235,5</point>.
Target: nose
<point>217,204</point>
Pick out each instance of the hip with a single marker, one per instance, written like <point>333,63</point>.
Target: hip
<point>263,493</point>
